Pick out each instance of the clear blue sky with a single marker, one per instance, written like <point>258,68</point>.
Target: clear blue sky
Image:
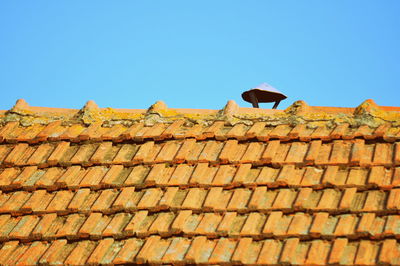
<point>198,54</point>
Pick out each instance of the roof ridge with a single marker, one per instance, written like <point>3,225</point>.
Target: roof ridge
<point>299,112</point>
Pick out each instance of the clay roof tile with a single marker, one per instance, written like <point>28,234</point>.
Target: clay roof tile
<point>305,185</point>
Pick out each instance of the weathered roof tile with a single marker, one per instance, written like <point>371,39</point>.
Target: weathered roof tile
<point>100,251</point>
<point>128,251</point>
<point>175,186</point>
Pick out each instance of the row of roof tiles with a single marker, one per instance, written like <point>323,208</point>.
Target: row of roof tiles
<point>200,200</point>
<point>338,152</point>
<point>54,131</point>
<point>201,250</point>
<point>31,178</point>
<point>212,225</point>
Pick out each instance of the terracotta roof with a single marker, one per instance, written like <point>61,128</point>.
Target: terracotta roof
<point>305,185</point>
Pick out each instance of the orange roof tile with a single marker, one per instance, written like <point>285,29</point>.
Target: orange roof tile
<point>305,185</point>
